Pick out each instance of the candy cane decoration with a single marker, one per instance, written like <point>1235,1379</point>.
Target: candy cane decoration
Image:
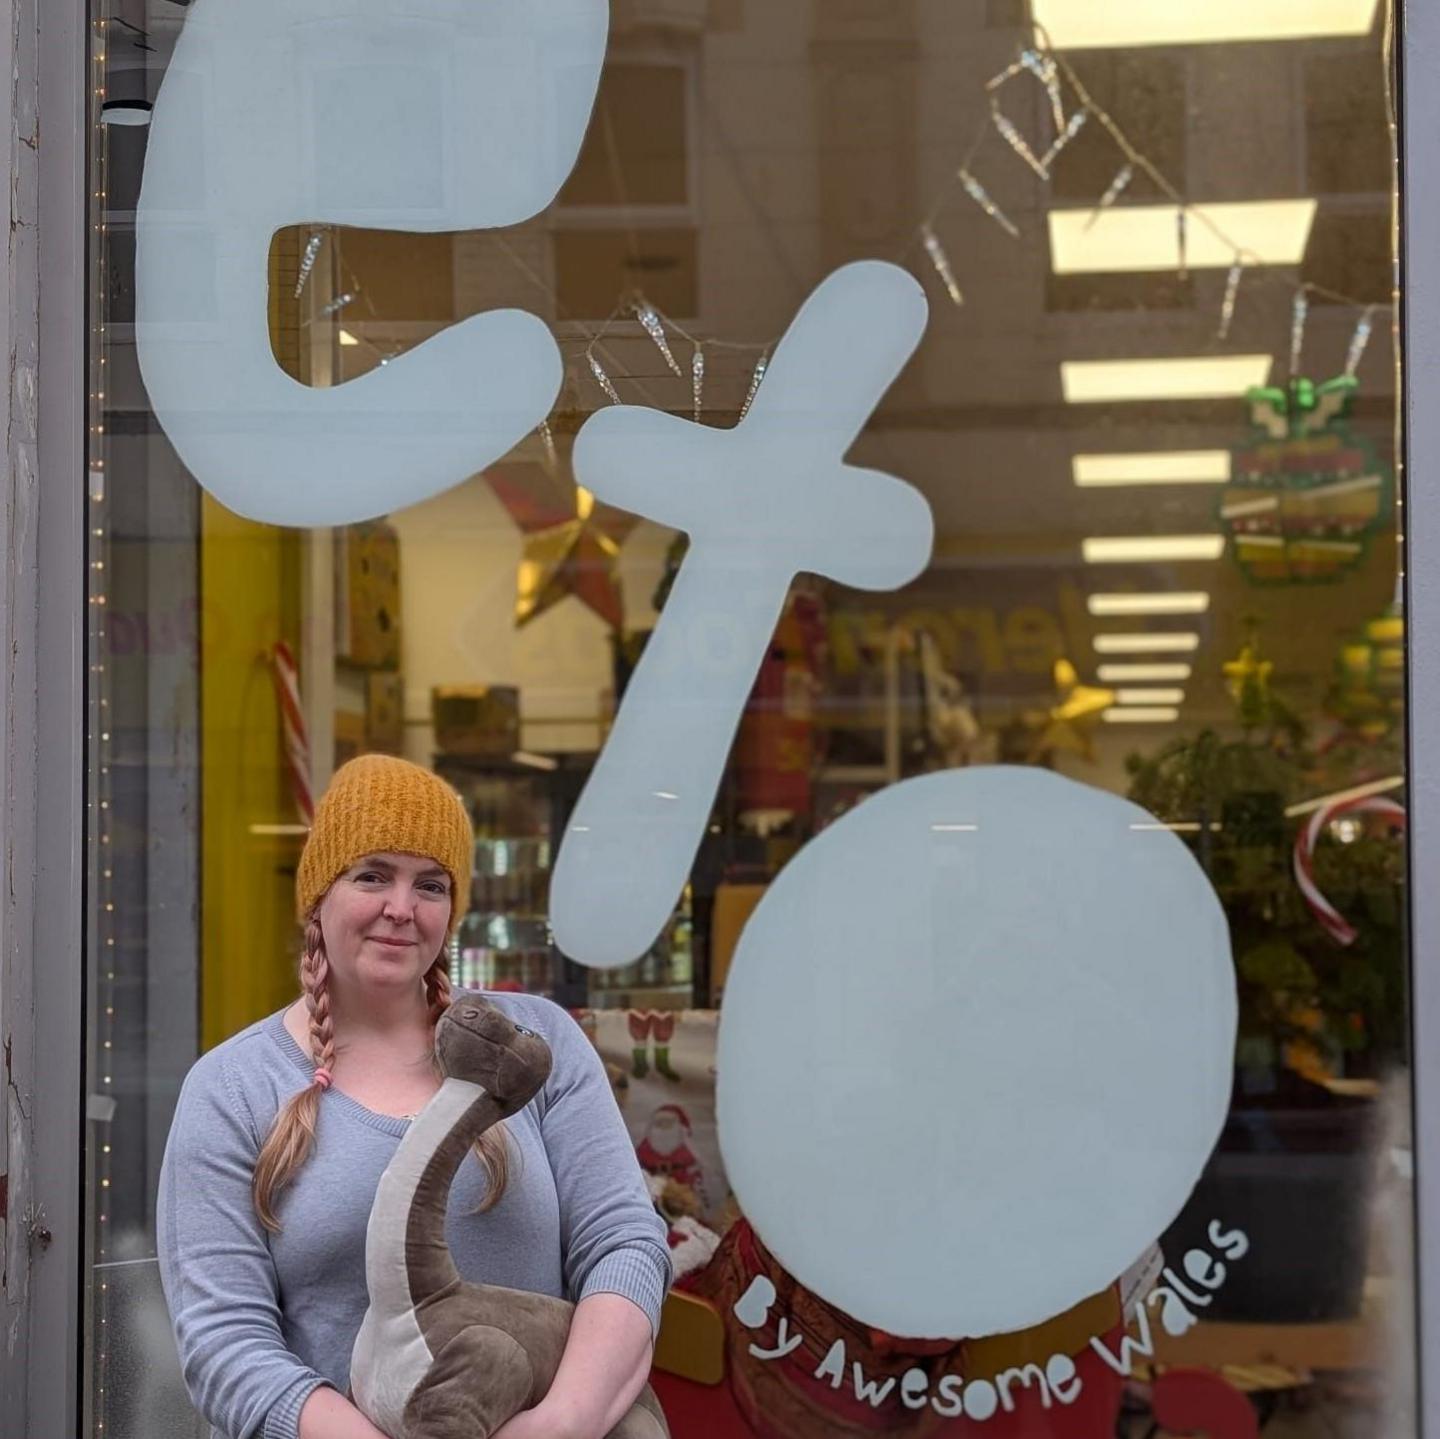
<point>292,721</point>
<point>1334,923</point>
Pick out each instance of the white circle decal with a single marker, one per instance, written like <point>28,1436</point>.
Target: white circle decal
<point>976,1047</point>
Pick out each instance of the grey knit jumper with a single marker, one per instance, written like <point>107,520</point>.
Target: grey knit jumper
<point>262,1320</point>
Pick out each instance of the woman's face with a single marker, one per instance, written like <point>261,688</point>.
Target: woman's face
<point>385,920</point>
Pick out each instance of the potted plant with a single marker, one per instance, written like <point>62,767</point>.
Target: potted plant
<point>1294,1163</point>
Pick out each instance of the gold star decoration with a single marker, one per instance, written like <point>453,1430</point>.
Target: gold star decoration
<point>1069,723</point>
<point>1247,677</point>
<point>572,542</point>
<point>1247,668</point>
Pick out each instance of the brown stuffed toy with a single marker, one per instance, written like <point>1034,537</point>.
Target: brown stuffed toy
<point>437,1358</point>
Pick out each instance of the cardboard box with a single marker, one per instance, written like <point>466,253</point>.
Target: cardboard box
<point>478,720</point>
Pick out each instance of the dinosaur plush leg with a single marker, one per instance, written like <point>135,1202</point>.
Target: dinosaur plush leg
<point>645,1419</point>
<point>477,1381</point>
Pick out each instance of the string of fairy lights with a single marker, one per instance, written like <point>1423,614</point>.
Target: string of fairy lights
<point>102,917</point>
<point>1071,108</point>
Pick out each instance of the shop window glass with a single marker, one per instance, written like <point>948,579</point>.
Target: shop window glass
<point>1164,572</point>
<point>625,219</point>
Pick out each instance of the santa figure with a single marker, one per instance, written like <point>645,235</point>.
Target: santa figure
<point>666,1151</point>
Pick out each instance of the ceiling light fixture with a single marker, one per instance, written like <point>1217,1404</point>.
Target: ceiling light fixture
<point>346,338</point>
<point>1165,602</point>
<point>1121,549</point>
<point>1149,696</point>
<point>1190,377</point>
<point>1147,237</point>
<point>1141,674</point>
<point>1141,714</point>
<point>1084,24</point>
<point>1156,467</point>
<point>1140,644</point>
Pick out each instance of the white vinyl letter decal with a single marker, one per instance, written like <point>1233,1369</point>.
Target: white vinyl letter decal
<point>425,117</point>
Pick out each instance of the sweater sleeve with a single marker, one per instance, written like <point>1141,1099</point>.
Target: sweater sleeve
<point>216,1268</point>
<point>613,1240</point>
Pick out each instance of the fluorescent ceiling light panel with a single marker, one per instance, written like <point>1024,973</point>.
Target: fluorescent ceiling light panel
<point>1150,696</point>
<point>1141,714</point>
<point>1142,674</point>
<point>1122,549</point>
<point>1093,24</point>
<point>1147,237</point>
<point>1160,467</point>
<point>1166,602</point>
<point>1190,377</point>
<point>1147,644</point>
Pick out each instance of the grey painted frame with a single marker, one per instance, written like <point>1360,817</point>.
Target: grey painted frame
<point>42,617</point>
<point>1420,243</point>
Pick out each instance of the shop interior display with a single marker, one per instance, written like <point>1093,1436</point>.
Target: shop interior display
<point>505,940</point>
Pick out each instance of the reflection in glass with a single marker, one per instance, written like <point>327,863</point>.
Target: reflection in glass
<point>1153,414</point>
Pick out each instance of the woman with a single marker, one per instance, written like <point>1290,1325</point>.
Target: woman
<point>281,1134</point>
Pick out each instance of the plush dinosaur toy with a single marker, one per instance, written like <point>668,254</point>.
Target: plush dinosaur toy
<point>437,1358</point>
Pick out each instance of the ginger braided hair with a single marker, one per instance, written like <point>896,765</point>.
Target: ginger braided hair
<point>292,1136</point>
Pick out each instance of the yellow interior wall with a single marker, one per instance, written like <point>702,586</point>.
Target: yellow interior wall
<point>249,578</point>
<point>250,587</point>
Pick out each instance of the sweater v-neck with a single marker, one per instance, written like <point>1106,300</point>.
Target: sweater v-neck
<point>332,1097</point>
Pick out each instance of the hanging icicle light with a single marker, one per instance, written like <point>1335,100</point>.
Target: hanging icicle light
<point>338,303</point>
<point>1044,69</point>
<point>307,261</point>
<point>1071,130</point>
<point>977,192</point>
<point>697,378</point>
<point>601,378</point>
<point>941,261</point>
<point>1015,140</point>
<point>1358,341</point>
<point>547,444</point>
<point>645,312</point>
<point>1113,191</point>
<point>1227,305</point>
<point>755,378</point>
<point>1299,310</point>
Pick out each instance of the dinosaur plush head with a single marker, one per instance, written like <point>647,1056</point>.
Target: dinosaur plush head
<point>476,1042</point>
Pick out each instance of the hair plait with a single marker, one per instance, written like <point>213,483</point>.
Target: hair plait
<point>292,1136</point>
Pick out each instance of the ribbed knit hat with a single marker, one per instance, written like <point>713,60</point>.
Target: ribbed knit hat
<point>377,804</point>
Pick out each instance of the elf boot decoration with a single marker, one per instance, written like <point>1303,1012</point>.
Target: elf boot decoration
<point>663,1029</point>
<point>640,1023</point>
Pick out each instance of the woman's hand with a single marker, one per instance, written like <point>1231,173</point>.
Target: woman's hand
<point>326,1415</point>
<point>537,1423</point>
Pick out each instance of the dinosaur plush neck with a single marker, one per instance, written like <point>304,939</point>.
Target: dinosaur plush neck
<point>407,1220</point>
<point>437,1357</point>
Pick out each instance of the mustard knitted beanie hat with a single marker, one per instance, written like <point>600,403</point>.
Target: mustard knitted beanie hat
<point>377,804</point>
